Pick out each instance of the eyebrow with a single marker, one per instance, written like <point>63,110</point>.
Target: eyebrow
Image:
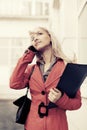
<point>32,33</point>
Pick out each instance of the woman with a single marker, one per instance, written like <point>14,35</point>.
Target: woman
<point>47,71</point>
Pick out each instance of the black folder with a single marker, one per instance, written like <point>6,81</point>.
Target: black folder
<point>71,80</point>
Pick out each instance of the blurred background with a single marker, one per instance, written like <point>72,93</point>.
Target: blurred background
<point>67,19</point>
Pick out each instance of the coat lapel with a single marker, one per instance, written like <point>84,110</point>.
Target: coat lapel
<point>37,76</point>
<point>55,74</point>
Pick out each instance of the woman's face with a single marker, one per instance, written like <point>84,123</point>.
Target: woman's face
<point>40,39</point>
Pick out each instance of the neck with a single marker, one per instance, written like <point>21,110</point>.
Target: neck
<point>47,55</point>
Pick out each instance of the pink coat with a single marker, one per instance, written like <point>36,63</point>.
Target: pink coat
<point>56,118</point>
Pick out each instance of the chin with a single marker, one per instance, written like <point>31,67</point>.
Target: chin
<point>39,48</point>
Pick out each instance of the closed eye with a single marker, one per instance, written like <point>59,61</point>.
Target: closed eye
<point>39,33</point>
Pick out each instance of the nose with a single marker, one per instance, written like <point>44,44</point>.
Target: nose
<point>35,38</point>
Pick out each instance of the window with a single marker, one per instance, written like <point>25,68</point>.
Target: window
<point>24,8</point>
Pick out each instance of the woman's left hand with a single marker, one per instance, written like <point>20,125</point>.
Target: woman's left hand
<point>54,95</point>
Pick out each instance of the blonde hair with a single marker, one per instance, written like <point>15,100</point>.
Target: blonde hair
<point>56,47</point>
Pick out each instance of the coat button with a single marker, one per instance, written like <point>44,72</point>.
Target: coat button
<point>43,92</point>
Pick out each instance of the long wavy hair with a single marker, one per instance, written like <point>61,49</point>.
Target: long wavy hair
<point>56,47</point>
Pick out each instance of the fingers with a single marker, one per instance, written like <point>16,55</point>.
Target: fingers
<point>55,90</point>
<point>54,95</point>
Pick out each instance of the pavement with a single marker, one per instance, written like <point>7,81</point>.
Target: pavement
<point>77,119</point>
<point>7,116</point>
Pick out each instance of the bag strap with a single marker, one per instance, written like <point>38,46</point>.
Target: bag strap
<point>27,85</point>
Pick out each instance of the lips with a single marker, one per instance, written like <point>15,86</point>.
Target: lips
<point>36,43</point>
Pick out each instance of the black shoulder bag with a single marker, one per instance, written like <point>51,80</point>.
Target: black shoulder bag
<point>24,104</point>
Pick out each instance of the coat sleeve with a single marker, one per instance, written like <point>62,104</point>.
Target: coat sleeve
<point>70,103</point>
<point>20,75</point>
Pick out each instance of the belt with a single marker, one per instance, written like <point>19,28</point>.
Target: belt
<point>42,105</point>
<point>42,114</point>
